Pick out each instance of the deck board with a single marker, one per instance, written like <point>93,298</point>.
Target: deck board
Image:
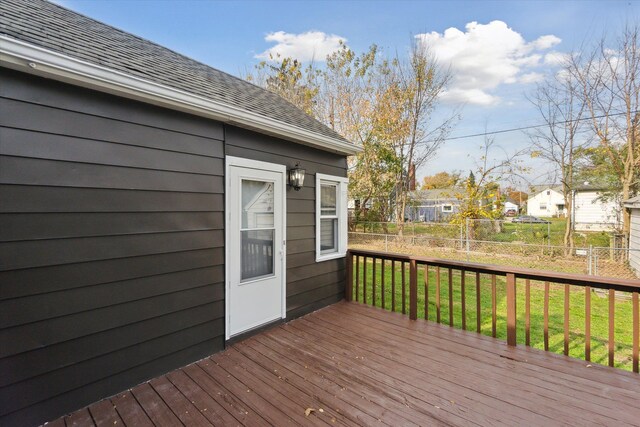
<point>105,414</point>
<point>357,365</point>
<point>481,373</point>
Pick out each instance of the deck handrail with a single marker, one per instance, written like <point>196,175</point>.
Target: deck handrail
<point>511,274</point>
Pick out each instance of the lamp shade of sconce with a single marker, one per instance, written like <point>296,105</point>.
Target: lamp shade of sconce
<point>296,177</point>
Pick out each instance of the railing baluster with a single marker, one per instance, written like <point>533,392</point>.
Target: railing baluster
<point>511,310</point>
<point>426,291</point>
<point>393,286</point>
<point>587,324</point>
<point>494,314</point>
<point>527,312</point>
<point>612,313</point>
<point>357,260</point>
<point>566,320</point>
<point>636,331</point>
<point>404,290</point>
<point>357,277</point>
<point>348,290</point>
<point>450,297</point>
<point>373,292</point>
<point>413,290</point>
<point>478,305</point>
<point>384,261</point>
<point>546,316</point>
<point>438,294</point>
<point>463,298</point>
<point>364,280</point>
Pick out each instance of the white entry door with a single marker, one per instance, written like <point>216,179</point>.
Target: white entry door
<point>255,242</point>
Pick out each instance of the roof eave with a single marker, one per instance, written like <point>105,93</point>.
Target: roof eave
<point>33,59</point>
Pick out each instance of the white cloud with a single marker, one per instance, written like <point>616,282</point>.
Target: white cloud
<point>546,42</point>
<point>311,45</point>
<point>531,78</point>
<point>485,56</point>
<point>555,58</point>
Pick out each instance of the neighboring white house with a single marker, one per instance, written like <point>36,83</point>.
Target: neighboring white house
<point>510,206</point>
<point>634,234</point>
<point>547,201</point>
<point>591,213</point>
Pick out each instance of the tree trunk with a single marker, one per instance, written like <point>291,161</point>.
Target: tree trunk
<point>568,228</point>
<point>626,213</point>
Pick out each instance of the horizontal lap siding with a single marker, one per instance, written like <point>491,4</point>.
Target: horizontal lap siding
<point>111,245</point>
<point>634,241</point>
<point>310,284</point>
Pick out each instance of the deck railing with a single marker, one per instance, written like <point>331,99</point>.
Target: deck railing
<point>391,281</point>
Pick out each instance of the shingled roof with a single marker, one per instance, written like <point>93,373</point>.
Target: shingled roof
<point>57,29</point>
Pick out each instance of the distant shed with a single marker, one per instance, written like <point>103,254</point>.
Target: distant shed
<point>634,234</point>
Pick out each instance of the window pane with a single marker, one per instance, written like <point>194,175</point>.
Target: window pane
<point>257,204</point>
<point>329,235</point>
<point>328,199</point>
<point>257,254</point>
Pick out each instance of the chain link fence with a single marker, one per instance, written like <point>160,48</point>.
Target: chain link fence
<point>550,233</point>
<point>611,262</point>
<point>460,245</point>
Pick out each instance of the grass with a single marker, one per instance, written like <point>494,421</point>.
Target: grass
<point>599,311</point>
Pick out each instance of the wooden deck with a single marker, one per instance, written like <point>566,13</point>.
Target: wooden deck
<point>350,364</point>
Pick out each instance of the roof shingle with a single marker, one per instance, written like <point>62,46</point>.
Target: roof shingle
<point>53,27</point>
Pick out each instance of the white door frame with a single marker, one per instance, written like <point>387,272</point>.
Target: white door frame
<point>264,166</point>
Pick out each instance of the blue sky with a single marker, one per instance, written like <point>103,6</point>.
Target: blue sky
<point>510,55</point>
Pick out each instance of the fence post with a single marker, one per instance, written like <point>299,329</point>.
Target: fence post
<point>590,261</point>
<point>348,289</point>
<point>511,309</point>
<point>386,243</point>
<point>413,290</point>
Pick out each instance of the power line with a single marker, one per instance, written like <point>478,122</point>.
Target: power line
<point>496,132</point>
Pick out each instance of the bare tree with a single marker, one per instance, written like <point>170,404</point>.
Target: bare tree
<point>479,197</point>
<point>421,79</point>
<point>609,80</point>
<point>561,107</point>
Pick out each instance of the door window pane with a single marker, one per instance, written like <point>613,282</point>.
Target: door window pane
<point>257,254</point>
<point>328,199</point>
<point>329,235</point>
<point>257,204</point>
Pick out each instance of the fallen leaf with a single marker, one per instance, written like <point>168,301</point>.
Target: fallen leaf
<point>308,411</point>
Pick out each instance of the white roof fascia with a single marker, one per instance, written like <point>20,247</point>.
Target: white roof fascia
<point>33,59</point>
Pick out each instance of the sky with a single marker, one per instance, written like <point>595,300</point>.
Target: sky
<point>497,50</point>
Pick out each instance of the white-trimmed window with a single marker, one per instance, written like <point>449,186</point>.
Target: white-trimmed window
<point>331,217</point>
<point>447,208</point>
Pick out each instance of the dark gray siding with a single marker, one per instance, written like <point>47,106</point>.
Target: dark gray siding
<point>111,245</point>
<point>310,285</point>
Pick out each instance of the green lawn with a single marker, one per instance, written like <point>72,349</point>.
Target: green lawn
<point>599,311</point>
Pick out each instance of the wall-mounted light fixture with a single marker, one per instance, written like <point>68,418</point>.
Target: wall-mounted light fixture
<point>296,177</point>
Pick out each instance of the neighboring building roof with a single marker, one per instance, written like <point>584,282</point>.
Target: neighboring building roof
<point>537,189</point>
<point>61,31</point>
<point>634,202</point>
<point>592,186</point>
<point>435,194</point>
